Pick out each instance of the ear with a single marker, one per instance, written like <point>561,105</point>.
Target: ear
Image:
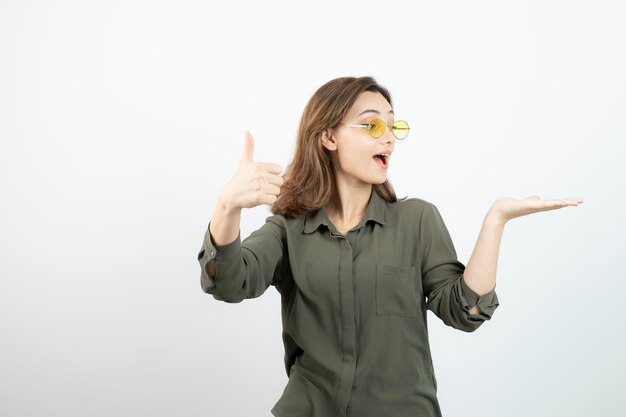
<point>328,140</point>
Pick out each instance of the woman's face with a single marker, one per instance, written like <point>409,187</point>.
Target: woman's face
<point>353,149</point>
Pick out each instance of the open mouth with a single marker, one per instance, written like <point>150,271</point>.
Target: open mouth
<point>382,160</point>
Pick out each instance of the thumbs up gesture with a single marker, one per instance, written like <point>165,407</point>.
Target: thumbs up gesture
<point>254,183</point>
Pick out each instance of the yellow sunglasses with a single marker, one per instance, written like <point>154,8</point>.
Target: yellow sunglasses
<point>376,128</point>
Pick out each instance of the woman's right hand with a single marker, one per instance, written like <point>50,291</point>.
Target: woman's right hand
<point>253,184</point>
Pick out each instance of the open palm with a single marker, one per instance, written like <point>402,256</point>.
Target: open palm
<point>507,208</point>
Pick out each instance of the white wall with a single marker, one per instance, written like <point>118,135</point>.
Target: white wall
<point>121,120</point>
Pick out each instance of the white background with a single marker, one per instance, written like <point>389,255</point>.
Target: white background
<point>121,120</point>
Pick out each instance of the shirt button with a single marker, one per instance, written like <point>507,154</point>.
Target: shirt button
<point>212,253</point>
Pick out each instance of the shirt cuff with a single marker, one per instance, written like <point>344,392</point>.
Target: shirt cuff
<point>221,253</point>
<point>487,302</point>
<point>225,251</point>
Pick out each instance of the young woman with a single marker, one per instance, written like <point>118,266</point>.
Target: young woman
<point>356,267</point>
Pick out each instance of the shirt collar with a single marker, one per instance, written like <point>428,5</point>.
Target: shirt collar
<point>376,211</point>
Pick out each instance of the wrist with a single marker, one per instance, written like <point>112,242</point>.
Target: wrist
<point>226,207</point>
<point>494,218</point>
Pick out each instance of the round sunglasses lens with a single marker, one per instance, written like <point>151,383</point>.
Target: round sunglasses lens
<point>377,128</point>
<point>400,129</point>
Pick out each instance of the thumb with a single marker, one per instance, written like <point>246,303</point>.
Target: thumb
<point>248,149</point>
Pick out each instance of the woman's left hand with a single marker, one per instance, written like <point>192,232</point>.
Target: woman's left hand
<point>505,208</point>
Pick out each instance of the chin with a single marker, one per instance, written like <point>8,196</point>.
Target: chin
<point>380,180</point>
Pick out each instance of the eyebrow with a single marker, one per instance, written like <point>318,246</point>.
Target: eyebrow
<point>373,111</point>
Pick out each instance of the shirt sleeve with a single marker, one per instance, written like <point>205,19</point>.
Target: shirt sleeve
<point>447,293</point>
<point>243,269</point>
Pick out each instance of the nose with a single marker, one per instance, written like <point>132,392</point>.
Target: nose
<point>387,136</point>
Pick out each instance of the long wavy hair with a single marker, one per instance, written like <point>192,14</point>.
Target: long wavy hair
<point>309,180</point>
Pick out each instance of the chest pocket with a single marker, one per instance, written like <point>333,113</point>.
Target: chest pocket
<point>395,291</point>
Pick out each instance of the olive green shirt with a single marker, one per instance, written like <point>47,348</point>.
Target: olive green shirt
<point>353,307</point>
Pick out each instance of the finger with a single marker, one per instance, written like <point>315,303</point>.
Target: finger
<point>271,189</point>
<point>575,200</point>
<point>271,168</point>
<point>571,201</point>
<point>566,201</point>
<point>273,179</point>
<point>248,149</point>
<point>557,204</point>
<point>268,199</point>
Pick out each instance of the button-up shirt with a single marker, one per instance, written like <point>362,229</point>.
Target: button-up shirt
<point>353,306</point>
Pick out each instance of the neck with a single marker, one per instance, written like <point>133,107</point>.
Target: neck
<point>349,202</point>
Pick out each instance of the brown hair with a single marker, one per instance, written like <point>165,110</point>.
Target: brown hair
<point>309,180</point>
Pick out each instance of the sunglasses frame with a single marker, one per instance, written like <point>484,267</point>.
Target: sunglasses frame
<point>369,128</point>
